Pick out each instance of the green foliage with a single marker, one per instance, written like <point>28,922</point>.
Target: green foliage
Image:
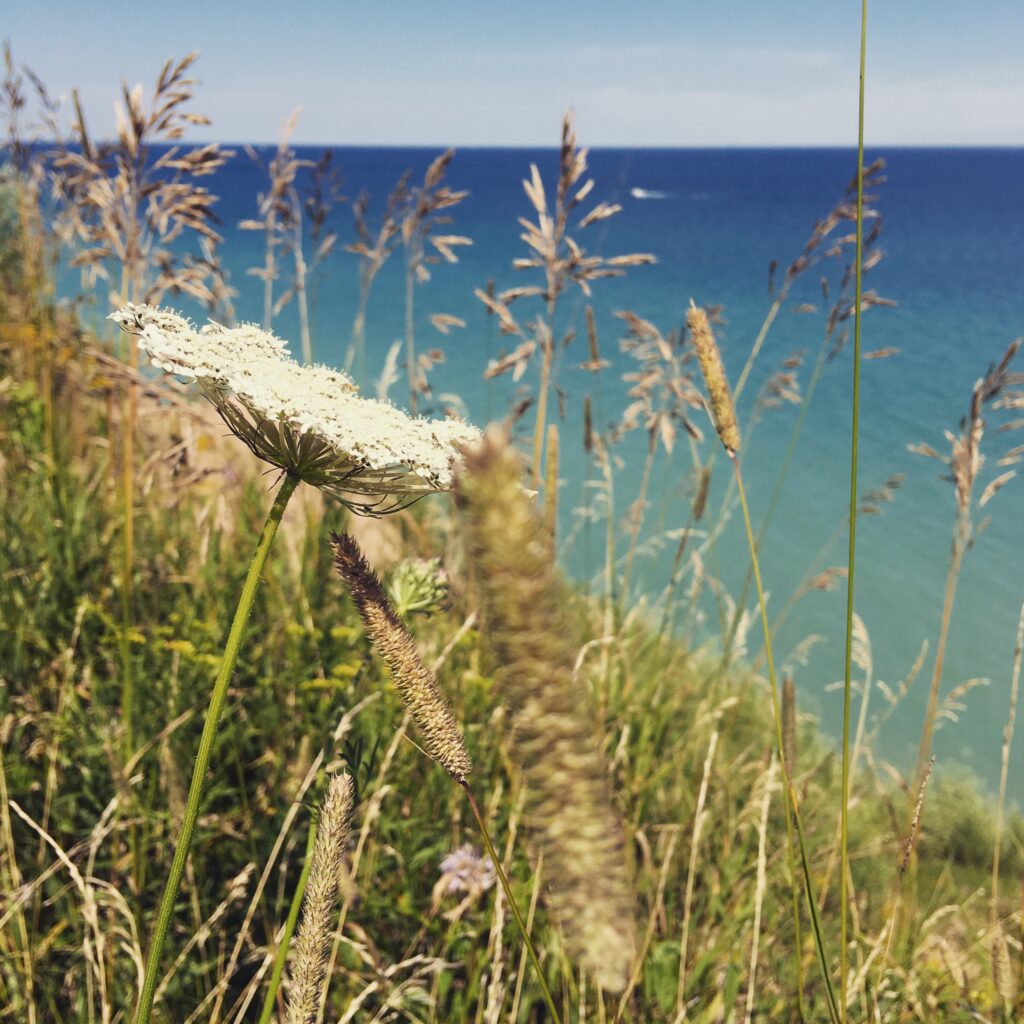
<point>308,683</point>
<point>959,827</point>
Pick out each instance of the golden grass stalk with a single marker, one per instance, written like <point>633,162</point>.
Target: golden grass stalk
<point>965,462</point>
<point>762,864</point>
<point>723,412</point>
<point>691,873</point>
<point>373,249</point>
<point>416,684</point>
<point>419,218</point>
<point>280,219</point>
<point>560,260</point>
<point>662,394</point>
<point>556,745</point>
<point>314,937</point>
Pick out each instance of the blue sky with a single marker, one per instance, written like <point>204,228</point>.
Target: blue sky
<point>735,72</point>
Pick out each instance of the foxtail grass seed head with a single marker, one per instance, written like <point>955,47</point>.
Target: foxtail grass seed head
<point>910,842</point>
<point>313,941</point>
<point>723,412</point>
<point>416,685</point>
<point>1002,971</point>
<point>307,420</point>
<point>556,741</point>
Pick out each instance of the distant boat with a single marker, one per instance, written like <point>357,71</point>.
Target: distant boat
<point>648,193</point>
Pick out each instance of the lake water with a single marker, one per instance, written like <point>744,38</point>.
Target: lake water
<point>954,243</point>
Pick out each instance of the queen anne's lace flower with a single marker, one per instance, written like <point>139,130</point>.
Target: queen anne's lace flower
<point>308,420</point>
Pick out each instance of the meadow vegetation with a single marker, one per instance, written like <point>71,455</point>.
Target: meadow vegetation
<point>427,684</point>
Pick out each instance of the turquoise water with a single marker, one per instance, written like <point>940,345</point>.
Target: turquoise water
<point>954,242</point>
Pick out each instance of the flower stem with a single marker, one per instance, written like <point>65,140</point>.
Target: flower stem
<point>195,791</point>
<point>496,861</point>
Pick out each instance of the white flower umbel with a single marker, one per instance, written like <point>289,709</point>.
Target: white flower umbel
<point>311,423</point>
<point>307,420</point>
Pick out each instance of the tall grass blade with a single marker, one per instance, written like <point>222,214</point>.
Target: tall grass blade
<point>844,852</point>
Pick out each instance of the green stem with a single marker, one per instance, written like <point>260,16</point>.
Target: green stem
<point>773,500</point>
<point>503,879</point>
<point>289,931</point>
<point>791,798</point>
<point>844,852</point>
<point>195,791</point>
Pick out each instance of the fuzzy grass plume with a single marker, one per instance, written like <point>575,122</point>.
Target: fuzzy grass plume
<point>442,738</point>
<point>313,941</point>
<point>723,411</point>
<point>557,745</point>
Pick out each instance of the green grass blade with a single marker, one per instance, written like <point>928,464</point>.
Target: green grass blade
<point>844,852</point>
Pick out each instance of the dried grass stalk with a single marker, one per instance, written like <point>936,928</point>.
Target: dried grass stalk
<point>965,462</point>
<point>416,684</point>
<point>314,936</point>
<point>915,822</point>
<point>557,745</point>
<point>124,204</point>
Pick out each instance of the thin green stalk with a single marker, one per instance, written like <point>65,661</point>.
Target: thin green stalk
<point>773,500</point>
<point>195,791</point>
<point>844,852</point>
<point>791,798</point>
<point>127,570</point>
<point>961,536</point>
<point>289,930</point>
<point>762,334</point>
<point>128,414</point>
<point>516,913</point>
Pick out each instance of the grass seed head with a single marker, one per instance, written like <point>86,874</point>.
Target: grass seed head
<point>557,745</point>
<point>313,941</point>
<point>723,412</point>
<point>416,684</point>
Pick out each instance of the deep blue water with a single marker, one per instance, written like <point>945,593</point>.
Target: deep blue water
<point>954,242</point>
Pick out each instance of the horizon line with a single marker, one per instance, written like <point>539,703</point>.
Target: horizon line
<point>520,146</point>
